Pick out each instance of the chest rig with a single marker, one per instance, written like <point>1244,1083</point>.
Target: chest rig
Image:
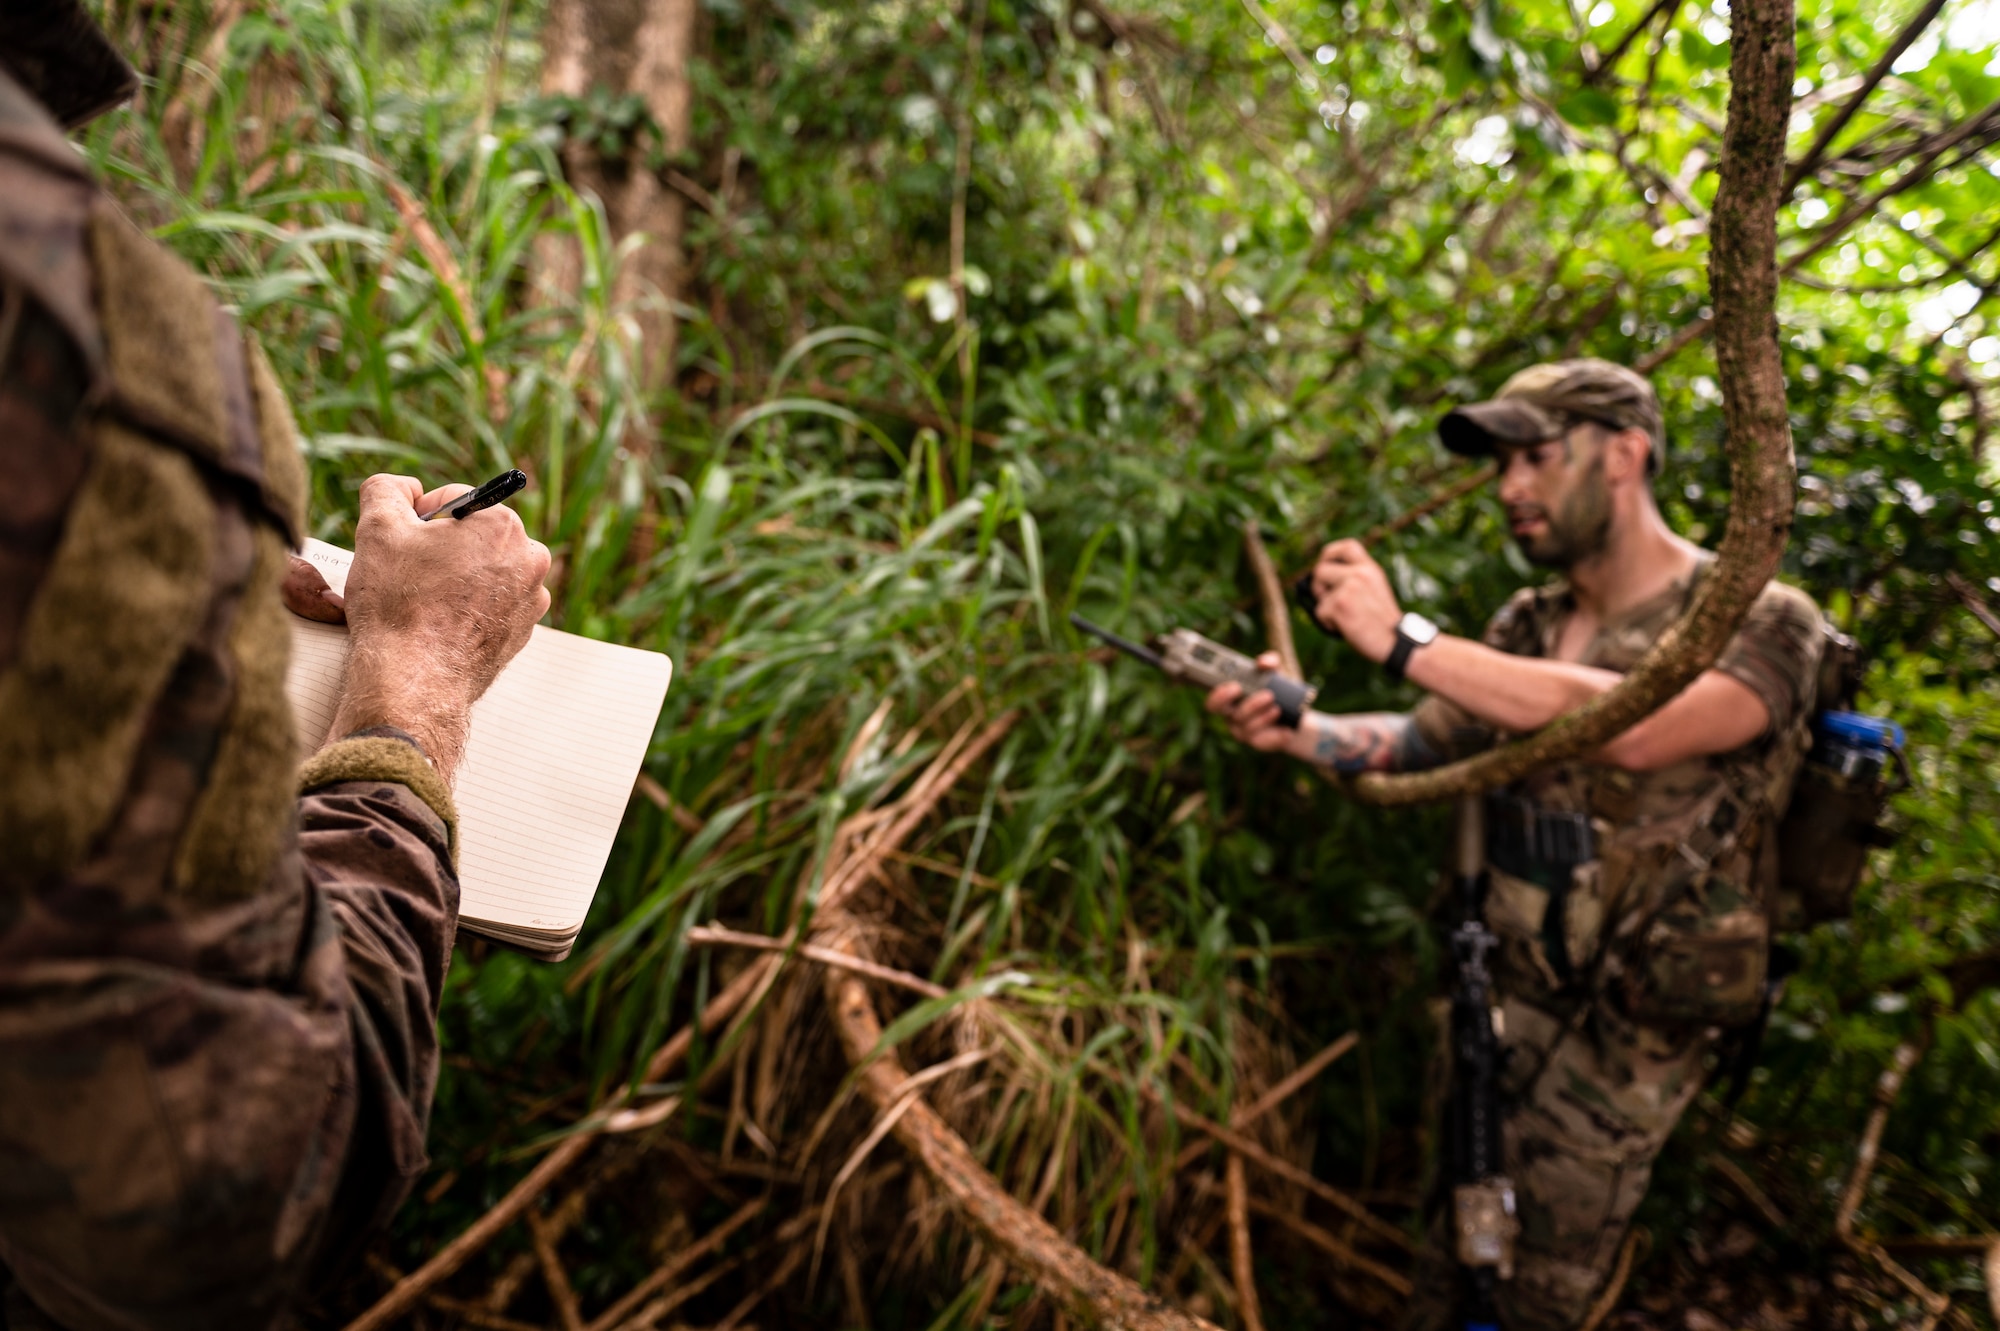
<point>1651,888</point>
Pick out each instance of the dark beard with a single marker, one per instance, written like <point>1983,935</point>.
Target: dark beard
<point>1580,530</point>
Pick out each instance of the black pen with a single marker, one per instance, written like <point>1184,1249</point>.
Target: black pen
<point>495,491</point>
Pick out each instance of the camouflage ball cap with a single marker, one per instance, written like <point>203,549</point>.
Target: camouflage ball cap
<point>1543,401</point>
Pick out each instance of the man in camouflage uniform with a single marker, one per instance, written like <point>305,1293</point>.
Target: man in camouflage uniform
<point>1629,890</point>
<point>219,972</point>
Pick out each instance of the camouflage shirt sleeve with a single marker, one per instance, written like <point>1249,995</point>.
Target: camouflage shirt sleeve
<point>379,856</point>
<point>218,994</point>
<point>1776,653</point>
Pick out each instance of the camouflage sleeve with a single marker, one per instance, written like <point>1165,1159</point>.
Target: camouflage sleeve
<point>1776,653</point>
<point>1449,729</point>
<point>217,993</point>
<point>378,851</point>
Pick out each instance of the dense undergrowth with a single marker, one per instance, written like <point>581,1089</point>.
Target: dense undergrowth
<point>1199,291</point>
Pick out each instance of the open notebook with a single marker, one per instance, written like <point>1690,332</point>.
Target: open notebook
<point>555,746</point>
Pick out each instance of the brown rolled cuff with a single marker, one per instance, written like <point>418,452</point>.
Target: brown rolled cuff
<point>379,757</point>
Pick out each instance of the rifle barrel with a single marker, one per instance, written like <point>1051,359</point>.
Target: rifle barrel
<point>1126,645</point>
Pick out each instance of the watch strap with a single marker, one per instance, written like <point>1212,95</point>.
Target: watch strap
<point>1398,659</point>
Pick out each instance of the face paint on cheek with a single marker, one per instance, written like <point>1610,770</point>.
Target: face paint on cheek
<point>1577,525</point>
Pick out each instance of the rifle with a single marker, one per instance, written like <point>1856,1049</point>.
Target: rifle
<point>1185,655</point>
<point>1482,1198</point>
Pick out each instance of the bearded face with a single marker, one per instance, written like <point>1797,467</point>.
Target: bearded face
<point>1564,517</point>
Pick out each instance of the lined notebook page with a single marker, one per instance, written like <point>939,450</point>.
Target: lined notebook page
<point>556,744</point>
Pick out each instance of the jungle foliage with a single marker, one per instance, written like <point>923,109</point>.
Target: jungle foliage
<point>1222,262</point>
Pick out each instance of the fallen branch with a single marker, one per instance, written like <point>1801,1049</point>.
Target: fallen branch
<point>684,818</point>
<point>715,934</point>
<point>406,1293</point>
<point>1743,283</point>
<point>678,1264</point>
<point>1242,1261</point>
<point>1289,1172</point>
<point>1635,1237</point>
<point>1026,1240</point>
<point>1747,1187</point>
<point>1341,1252</point>
<point>895,823</point>
<point>1941,1245</point>
<point>1243,1117</point>
<point>561,1293</point>
<point>1290,1086</point>
<point>1887,1088</point>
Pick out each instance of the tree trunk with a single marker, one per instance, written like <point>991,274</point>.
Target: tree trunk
<point>625,47</point>
<point>1743,286</point>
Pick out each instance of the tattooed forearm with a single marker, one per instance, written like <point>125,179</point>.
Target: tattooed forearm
<point>1374,742</point>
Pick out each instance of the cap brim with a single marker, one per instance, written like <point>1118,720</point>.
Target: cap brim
<point>1474,429</point>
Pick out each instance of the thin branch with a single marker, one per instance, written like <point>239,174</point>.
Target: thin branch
<point>1340,1252</point>
<point>1609,62</point>
<point>1916,175</point>
<point>677,1265</point>
<point>1283,41</point>
<point>1740,1179</point>
<point>561,1292</point>
<point>1286,1170</point>
<point>1824,139</point>
<point>1635,1238</point>
<point>1974,602</point>
<point>1242,1261</point>
<point>1243,1117</point>
<point>408,1291</point>
<point>715,935</point>
<point>1667,350</point>
<point>1277,610</point>
<point>1887,1087</point>
<point>1438,498</point>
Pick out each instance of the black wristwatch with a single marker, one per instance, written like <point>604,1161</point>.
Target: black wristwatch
<point>1412,631</point>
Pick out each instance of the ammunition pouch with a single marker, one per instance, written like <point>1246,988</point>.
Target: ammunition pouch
<point>1688,943</point>
<point>1542,862</point>
<point>1697,968</point>
<point>1695,948</point>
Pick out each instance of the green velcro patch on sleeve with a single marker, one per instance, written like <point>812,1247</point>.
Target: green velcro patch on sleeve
<point>382,759</point>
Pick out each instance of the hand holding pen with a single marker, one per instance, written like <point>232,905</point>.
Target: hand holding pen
<point>306,592</point>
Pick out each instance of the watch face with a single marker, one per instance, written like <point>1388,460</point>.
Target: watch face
<point>1417,629</point>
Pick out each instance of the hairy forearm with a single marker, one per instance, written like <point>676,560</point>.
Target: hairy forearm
<point>413,691</point>
<point>1514,693</point>
<point>1366,742</point>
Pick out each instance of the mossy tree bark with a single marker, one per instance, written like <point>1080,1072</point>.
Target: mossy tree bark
<point>1743,285</point>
